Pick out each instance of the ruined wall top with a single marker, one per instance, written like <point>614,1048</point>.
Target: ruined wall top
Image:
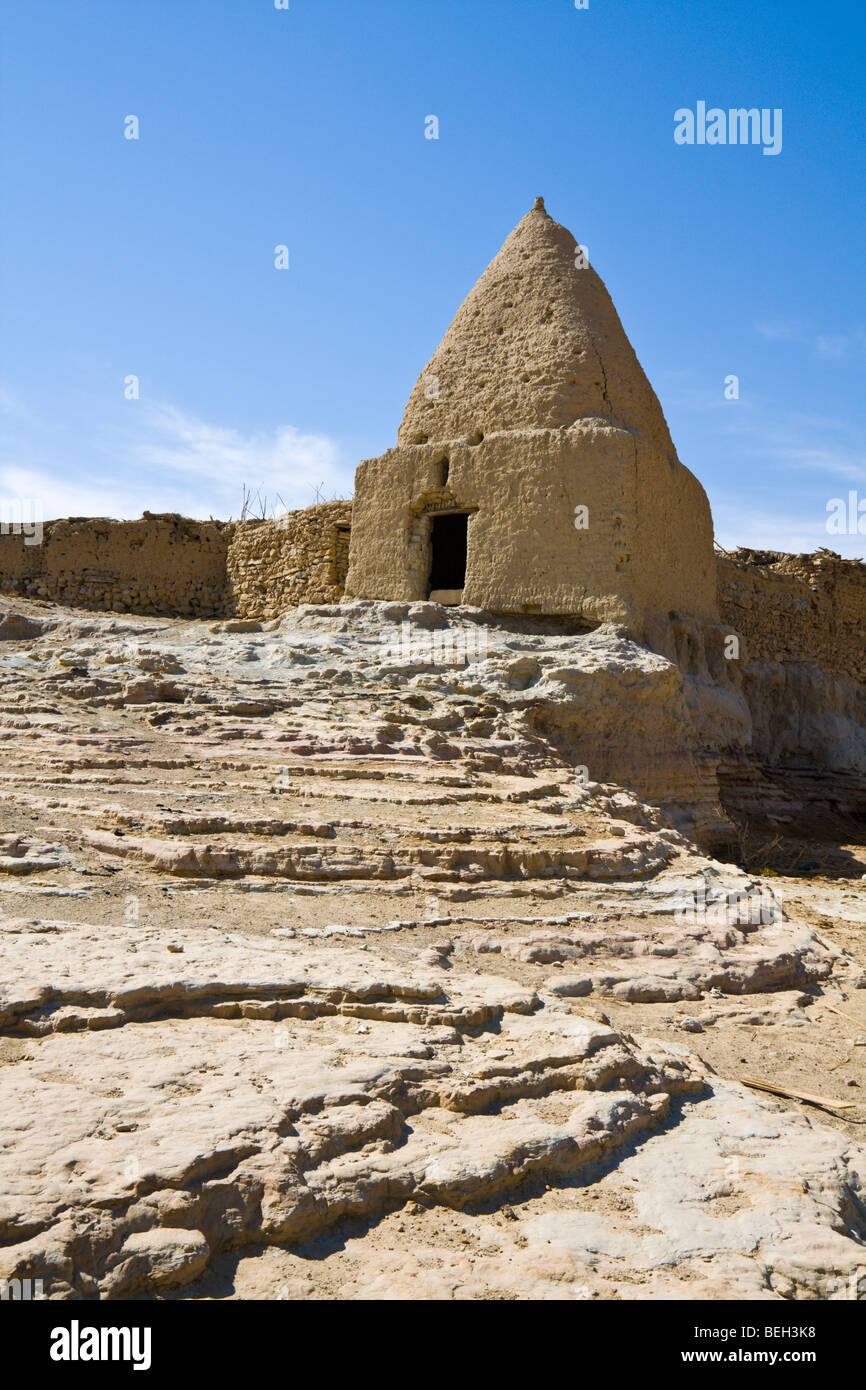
<point>803,608</point>
<point>537,344</point>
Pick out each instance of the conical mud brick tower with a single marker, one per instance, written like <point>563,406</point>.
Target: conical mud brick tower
<point>534,471</point>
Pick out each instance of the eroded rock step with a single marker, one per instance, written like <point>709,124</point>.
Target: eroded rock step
<point>324,963</point>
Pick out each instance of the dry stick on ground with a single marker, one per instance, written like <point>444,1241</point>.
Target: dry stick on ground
<point>841,1013</point>
<point>764,853</point>
<point>807,1096</point>
<point>837,1065</point>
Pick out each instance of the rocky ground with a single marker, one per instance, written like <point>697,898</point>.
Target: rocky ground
<point>326,971</point>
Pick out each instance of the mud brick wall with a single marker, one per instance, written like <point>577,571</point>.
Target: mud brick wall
<point>171,566</point>
<point>301,557</point>
<point>161,564</point>
<point>797,608</point>
<point>787,608</point>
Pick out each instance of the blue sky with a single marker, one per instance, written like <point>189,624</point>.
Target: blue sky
<point>305,127</point>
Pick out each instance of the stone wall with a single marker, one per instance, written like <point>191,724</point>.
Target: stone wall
<point>159,564</point>
<point>169,565</point>
<point>787,608</point>
<point>802,619</point>
<point>301,557</point>
<point>801,608</point>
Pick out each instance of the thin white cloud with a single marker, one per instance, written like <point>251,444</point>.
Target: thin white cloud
<point>57,496</point>
<point>11,403</point>
<point>175,462</point>
<point>778,332</point>
<point>801,442</point>
<point>840,462</point>
<point>831,347</point>
<point>736,525</point>
<point>287,459</point>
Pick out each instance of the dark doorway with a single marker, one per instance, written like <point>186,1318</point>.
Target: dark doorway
<point>342,538</point>
<point>448,550</point>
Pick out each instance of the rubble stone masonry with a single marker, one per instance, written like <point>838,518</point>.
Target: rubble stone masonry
<point>785,608</point>
<point>797,608</point>
<point>169,565</point>
<point>300,558</point>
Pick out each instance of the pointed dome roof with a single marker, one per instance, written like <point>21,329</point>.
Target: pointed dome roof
<point>537,344</point>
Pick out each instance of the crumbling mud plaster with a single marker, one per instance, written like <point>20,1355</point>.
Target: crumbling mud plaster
<point>802,619</point>
<point>797,608</point>
<point>159,564</point>
<point>169,565</point>
<point>535,418</point>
